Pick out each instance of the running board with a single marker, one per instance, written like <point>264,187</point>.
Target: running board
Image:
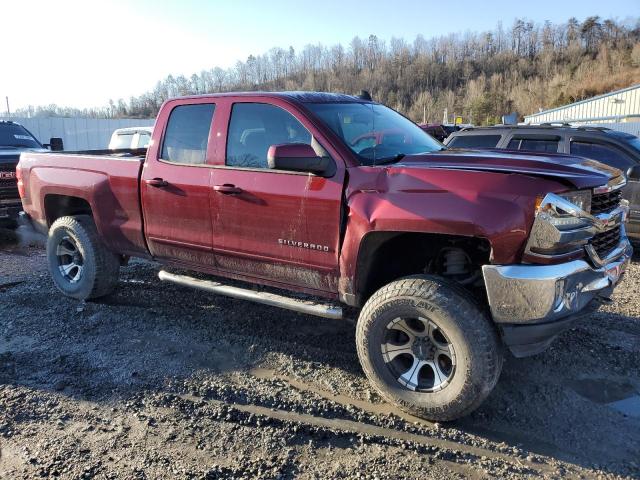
<point>266,298</point>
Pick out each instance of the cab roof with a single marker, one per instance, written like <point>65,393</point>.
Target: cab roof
<point>298,96</point>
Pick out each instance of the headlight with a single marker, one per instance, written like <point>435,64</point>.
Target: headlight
<point>567,212</point>
<point>580,198</point>
<point>562,227</point>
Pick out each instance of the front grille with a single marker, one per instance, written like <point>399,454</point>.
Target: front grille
<point>9,186</point>
<point>9,192</point>
<point>605,202</point>
<point>605,242</point>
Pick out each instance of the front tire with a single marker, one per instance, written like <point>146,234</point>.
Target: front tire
<point>427,348</point>
<point>79,263</point>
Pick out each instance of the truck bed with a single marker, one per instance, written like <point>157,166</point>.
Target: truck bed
<point>107,181</point>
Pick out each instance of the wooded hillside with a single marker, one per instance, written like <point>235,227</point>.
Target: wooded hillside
<point>522,68</point>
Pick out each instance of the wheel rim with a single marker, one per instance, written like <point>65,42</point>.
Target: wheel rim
<point>70,260</point>
<point>418,354</point>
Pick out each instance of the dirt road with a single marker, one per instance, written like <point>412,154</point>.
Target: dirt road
<point>158,381</point>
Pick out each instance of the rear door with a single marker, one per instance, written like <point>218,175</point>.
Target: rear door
<point>279,226</point>
<point>175,186</point>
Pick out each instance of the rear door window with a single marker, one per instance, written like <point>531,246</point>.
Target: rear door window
<point>187,134</point>
<point>606,154</point>
<point>534,145</point>
<point>474,141</point>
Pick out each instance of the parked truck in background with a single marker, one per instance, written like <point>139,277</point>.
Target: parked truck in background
<point>130,137</point>
<point>448,255</point>
<point>14,140</point>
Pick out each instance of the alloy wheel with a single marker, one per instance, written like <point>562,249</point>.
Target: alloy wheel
<point>418,354</point>
<point>70,260</point>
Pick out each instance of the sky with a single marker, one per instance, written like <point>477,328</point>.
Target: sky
<point>81,53</point>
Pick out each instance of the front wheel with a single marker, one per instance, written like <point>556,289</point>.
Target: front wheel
<point>426,347</point>
<point>79,263</point>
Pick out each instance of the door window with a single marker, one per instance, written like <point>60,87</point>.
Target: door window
<point>254,127</point>
<point>603,153</point>
<point>533,145</point>
<point>474,141</point>
<point>187,134</point>
<point>143,139</point>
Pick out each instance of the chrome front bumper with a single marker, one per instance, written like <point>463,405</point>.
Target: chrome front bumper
<point>531,294</point>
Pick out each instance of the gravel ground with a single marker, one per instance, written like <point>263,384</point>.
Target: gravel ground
<point>159,381</point>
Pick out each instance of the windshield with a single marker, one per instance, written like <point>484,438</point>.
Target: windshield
<point>16,136</point>
<point>375,133</point>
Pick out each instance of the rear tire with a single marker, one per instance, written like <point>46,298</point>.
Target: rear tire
<point>80,265</point>
<point>427,347</point>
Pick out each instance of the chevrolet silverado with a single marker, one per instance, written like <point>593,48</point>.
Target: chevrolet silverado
<point>448,256</point>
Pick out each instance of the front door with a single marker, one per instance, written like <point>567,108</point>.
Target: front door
<point>176,188</point>
<point>278,226</point>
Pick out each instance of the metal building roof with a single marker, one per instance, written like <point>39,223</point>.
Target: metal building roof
<point>618,106</point>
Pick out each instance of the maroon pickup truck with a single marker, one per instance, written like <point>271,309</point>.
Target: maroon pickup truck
<point>447,255</point>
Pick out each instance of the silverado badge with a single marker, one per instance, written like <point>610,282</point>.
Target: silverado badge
<point>310,246</point>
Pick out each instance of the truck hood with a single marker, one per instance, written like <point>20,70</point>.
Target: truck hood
<point>577,171</point>
<point>12,155</point>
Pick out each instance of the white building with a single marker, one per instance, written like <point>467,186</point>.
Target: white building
<point>619,110</point>
<point>77,133</point>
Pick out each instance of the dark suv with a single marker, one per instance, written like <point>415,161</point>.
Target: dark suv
<point>617,149</point>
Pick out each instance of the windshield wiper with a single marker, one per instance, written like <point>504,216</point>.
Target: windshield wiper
<point>387,160</point>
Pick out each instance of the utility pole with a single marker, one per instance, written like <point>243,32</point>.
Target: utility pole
<point>8,111</point>
<point>424,114</point>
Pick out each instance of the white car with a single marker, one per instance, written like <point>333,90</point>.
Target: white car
<point>131,137</point>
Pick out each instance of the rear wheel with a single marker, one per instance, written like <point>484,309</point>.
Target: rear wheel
<point>428,348</point>
<point>79,263</point>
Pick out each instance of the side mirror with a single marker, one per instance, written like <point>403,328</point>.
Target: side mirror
<point>634,173</point>
<point>56,144</point>
<point>298,157</point>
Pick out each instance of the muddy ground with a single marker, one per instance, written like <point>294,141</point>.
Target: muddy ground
<point>159,381</point>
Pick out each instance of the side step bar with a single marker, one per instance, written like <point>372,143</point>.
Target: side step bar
<point>266,298</point>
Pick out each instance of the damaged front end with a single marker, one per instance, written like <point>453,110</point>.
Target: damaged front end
<point>576,255</point>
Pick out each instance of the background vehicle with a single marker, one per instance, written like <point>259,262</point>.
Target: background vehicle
<point>14,139</point>
<point>131,137</point>
<point>617,149</point>
<point>448,254</point>
<point>449,128</point>
<point>435,130</point>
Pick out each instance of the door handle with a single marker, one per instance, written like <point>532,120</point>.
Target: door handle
<point>156,182</point>
<point>227,189</point>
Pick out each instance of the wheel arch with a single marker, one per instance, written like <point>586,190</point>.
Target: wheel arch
<point>385,256</point>
<point>56,206</point>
